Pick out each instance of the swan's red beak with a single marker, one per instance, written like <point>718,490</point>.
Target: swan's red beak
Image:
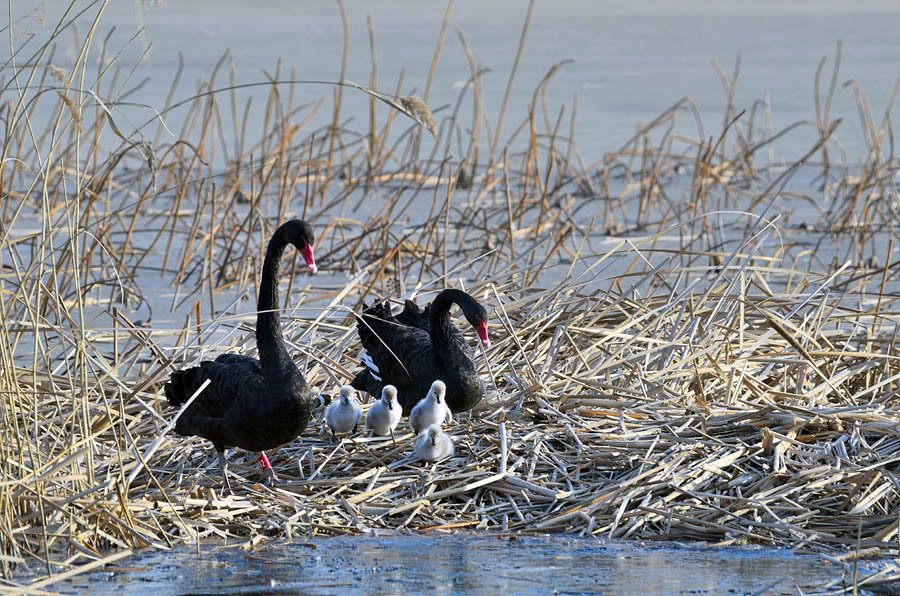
<point>481,330</point>
<point>309,257</point>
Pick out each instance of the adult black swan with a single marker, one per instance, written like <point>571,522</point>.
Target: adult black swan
<point>423,352</point>
<point>249,403</point>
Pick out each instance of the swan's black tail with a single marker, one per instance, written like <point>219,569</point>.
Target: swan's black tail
<point>183,384</point>
<point>196,420</point>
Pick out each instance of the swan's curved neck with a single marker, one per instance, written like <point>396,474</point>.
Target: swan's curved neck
<point>442,336</point>
<point>273,354</point>
<point>440,313</point>
<point>452,352</point>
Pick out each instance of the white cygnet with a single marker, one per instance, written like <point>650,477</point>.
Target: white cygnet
<point>343,415</point>
<point>384,415</point>
<point>433,445</point>
<point>431,409</point>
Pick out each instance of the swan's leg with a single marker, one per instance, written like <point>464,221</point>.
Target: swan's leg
<point>223,465</point>
<point>263,461</point>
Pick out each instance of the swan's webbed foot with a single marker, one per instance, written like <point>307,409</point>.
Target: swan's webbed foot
<point>268,470</point>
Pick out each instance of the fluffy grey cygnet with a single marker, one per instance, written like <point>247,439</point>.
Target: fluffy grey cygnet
<point>433,445</point>
<point>432,409</point>
<point>384,415</point>
<point>343,415</point>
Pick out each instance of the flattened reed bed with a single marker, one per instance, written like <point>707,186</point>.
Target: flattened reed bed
<point>599,428</point>
<point>659,370</point>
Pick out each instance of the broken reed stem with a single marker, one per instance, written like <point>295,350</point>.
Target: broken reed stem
<point>503,452</point>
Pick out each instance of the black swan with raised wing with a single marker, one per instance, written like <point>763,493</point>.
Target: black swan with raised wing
<point>249,403</point>
<point>411,357</point>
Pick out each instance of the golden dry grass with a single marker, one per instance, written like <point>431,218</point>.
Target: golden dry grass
<point>727,386</point>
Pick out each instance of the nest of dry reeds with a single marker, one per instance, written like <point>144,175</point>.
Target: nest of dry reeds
<point>670,360</point>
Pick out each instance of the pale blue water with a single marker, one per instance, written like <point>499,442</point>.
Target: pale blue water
<point>632,60</point>
<point>458,564</point>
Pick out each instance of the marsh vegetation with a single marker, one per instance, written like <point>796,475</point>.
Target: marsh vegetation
<point>674,355</point>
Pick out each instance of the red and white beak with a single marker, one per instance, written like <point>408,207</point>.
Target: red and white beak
<point>481,330</point>
<point>308,256</point>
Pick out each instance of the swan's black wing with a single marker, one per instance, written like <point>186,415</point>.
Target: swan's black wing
<point>372,315</point>
<point>240,362</point>
<point>413,316</point>
<point>378,330</point>
<point>369,379</point>
<point>232,379</point>
<point>268,415</point>
<point>239,408</point>
<point>401,353</point>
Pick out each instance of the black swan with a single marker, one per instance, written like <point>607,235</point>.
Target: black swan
<point>249,403</point>
<point>422,354</point>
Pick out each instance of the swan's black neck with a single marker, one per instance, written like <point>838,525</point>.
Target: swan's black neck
<point>464,388</point>
<point>273,354</point>
<point>442,334</point>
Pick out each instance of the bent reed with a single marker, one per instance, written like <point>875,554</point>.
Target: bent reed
<point>674,358</point>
